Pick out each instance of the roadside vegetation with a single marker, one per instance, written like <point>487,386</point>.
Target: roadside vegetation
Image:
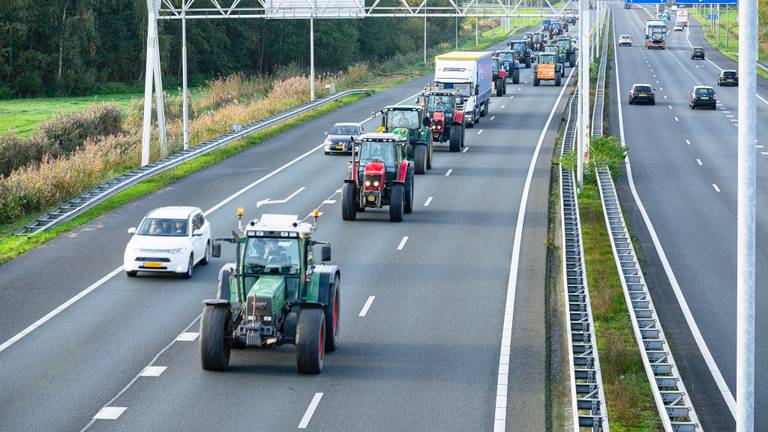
<point>38,181</point>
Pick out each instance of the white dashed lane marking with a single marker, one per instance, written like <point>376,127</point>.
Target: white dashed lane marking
<point>366,306</point>
<point>109,413</point>
<point>402,243</point>
<point>427,202</point>
<point>187,337</point>
<point>698,161</point>
<point>310,411</point>
<point>448,173</point>
<point>716,188</point>
<point>153,371</point>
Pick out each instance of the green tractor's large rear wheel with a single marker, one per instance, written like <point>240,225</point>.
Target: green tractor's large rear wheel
<point>536,80</point>
<point>348,202</point>
<point>557,80</point>
<point>310,341</point>
<point>214,348</point>
<point>420,158</point>
<point>396,202</point>
<point>572,59</point>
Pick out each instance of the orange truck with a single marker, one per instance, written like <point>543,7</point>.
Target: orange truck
<point>547,69</point>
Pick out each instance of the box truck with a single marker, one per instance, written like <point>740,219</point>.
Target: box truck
<point>469,75</point>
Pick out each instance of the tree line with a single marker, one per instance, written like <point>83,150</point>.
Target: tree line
<point>75,47</point>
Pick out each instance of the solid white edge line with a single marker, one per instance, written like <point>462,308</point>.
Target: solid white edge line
<point>500,415</point>
<point>32,327</point>
<point>402,243</point>
<point>427,202</point>
<point>703,348</point>
<point>366,306</point>
<point>310,411</point>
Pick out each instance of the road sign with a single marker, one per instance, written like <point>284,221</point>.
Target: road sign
<point>646,1</point>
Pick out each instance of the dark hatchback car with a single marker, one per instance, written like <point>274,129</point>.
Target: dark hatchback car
<point>728,78</point>
<point>703,96</point>
<point>339,138</point>
<point>697,53</point>
<point>642,93</point>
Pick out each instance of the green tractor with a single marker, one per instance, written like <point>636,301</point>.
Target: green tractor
<point>415,119</point>
<point>567,47</point>
<point>273,294</point>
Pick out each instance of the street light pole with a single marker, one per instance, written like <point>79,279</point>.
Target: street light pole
<point>425,40</point>
<point>311,59</point>
<point>584,57</point>
<point>745,217</point>
<point>184,91</point>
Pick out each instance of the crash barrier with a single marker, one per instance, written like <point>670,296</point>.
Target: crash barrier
<point>597,112</point>
<point>82,203</point>
<point>588,399</point>
<point>672,400</point>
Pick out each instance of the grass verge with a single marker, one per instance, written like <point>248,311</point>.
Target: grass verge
<point>627,390</point>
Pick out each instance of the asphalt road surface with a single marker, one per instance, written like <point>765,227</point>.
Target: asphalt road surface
<point>684,169</point>
<point>423,306</point>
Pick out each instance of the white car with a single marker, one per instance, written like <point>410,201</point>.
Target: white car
<point>625,40</point>
<point>169,240</point>
<point>678,27</point>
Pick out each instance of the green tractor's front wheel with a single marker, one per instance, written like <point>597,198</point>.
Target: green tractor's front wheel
<point>310,341</point>
<point>214,348</point>
<point>396,202</point>
<point>348,202</point>
<point>420,158</point>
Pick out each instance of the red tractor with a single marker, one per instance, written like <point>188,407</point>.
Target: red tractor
<point>446,110</point>
<point>379,175</point>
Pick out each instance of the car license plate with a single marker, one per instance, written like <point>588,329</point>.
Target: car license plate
<point>704,97</point>
<point>153,264</point>
<point>643,94</point>
<point>338,147</point>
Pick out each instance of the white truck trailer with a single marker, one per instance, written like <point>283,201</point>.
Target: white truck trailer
<point>470,75</point>
<point>655,34</point>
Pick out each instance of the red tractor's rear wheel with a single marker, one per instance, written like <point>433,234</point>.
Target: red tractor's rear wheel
<point>396,202</point>
<point>348,201</point>
<point>408,205</point>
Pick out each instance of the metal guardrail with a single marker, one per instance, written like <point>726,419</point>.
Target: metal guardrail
<point>89,199</point>
<point>672,400</point>
<point>590,412</point>
<point>599,107</point>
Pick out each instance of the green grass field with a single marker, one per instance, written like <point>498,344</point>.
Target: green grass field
<point>23,116</point>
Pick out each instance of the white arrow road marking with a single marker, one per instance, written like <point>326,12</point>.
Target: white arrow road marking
<point>366,306</point>
<point>282,201</point>
<point>310,411</point>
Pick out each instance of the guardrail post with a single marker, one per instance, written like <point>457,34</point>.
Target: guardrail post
<point>745,217</point>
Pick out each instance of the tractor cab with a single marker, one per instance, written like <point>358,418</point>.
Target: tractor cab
<point>510,64</point>
<point>522,52</point>
<point>547,58</point>
<point>414,118</point>
<point>445,108</point>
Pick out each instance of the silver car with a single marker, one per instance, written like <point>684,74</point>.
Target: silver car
<point>339,138</point>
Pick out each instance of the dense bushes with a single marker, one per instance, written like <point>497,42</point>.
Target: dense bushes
<point>57,137</point>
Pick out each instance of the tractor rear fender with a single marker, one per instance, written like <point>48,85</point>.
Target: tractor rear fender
<point>217,303</point>
<point>458,117</point>
<point>328,276</point>
<point>403,170</point>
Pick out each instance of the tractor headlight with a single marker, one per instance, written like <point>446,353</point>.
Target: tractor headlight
<point>367,182</point>
<point>267,318</point>
<point>376,183</point>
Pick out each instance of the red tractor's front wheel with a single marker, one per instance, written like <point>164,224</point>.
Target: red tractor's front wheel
<point>396,202</point>
<point>348,201</point>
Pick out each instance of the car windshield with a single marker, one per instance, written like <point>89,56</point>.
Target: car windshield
<point>518,45</point>
<point>547,59</point>
<point>263,255</point>
<point>642,89</point>
<point>377,151</point>
<point>439,103</point>
<point>705,92</point>
<point>402,119</point>
<point>163,227</point>
<point>729,74</point>
<point>345,130</point>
